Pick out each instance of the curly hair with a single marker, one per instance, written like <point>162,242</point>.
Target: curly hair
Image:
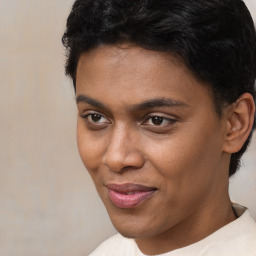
<point>215,39</point>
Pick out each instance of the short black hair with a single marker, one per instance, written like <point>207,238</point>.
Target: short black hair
<point>216,40</point>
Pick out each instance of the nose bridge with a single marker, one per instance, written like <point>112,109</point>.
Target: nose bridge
<point>119,138</point>
<point>122,150</point>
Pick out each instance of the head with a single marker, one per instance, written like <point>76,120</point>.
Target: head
<point>165,95</point>
<point>215,40</point>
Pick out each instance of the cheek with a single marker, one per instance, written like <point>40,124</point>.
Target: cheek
<point>91,148</point>
<point>187,156</point>
<point>186,168</point>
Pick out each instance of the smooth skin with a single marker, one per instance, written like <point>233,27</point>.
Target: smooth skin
<point>143,118</point>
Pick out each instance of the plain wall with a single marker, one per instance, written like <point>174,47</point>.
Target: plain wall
<point>48,204</point>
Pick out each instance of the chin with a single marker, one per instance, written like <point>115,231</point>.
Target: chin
<point>132,227</point>
<point>138,222</point>
<point>132,232</point>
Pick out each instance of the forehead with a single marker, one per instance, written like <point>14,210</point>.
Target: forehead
<point>129,57</point>
<point>131,74</point>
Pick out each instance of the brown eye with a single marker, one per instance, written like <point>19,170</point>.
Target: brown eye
<point>157,120</point>
<point>96,117</point>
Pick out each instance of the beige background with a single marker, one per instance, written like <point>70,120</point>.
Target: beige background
<point>48,205</point>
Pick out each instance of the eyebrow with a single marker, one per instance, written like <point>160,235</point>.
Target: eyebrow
<point>158,102</point>
<point>148,104</point>
<point>90,101</point>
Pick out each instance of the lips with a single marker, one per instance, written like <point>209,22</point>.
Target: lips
<point>129,195</point>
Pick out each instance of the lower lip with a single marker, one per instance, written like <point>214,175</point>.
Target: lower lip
<point>129,201</point>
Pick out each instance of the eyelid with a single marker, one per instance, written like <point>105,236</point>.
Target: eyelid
<point>170,119</point>
<point>88,113</point>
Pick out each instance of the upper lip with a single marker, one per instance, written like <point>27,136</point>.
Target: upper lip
<point>129,187</point>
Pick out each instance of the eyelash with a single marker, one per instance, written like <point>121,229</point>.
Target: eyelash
<point>159,117</point>
<point>86,117</point>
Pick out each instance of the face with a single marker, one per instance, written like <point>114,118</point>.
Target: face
<point>150,138</point>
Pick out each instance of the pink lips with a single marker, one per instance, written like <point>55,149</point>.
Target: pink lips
<point>129,195</point>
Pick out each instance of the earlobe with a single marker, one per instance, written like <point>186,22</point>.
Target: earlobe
<point>240,120</point>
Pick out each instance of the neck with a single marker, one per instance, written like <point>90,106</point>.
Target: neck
<point>194,228</point>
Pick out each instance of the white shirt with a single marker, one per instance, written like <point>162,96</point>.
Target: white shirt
<point>237,238</point>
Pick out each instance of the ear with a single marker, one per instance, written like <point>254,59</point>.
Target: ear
<point>240,118</point>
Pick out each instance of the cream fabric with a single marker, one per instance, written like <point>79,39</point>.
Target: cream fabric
<point>237,238</point>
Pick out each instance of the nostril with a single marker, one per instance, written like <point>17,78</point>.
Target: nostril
<point>119,163</point>
<point>122,152</point>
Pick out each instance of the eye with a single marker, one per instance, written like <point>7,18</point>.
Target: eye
<point>158,120</point>
<point>95,118</point>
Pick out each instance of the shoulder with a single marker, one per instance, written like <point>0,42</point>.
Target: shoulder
<point>237,238</point>
<point>245,235</point>
<point>115,246</point>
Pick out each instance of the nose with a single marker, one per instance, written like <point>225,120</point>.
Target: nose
<point>123,151</point>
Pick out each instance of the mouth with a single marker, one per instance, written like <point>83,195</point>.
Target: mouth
<point>129,195</point>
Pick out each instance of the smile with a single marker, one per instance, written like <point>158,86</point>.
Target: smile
<point>129,195</point>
